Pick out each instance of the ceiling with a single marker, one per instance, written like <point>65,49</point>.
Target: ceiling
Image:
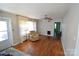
<point>36,10</point>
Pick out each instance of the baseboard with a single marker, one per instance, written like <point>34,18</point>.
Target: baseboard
<point>63,47</point>
<point>16,43</point>
<point>45,35</point>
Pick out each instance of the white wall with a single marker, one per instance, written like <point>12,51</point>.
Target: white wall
<point>44,26</point>
<point>70,27</point>
<point>76,52</point>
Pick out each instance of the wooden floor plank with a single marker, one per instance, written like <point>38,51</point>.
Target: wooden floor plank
<point>46,46</point>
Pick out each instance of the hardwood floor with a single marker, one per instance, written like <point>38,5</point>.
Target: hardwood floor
<point>46,46</point>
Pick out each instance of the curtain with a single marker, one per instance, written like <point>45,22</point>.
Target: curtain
<point>26,25</point>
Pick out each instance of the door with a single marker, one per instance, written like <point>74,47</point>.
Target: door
<point>4,34</point>
<point>57,31</point>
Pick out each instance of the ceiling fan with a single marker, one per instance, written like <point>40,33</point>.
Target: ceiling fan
<point>48,18</point>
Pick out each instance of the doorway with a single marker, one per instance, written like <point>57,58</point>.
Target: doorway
<point>5,40</point>
<point>57,31</point>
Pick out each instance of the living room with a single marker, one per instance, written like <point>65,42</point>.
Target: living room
<point>31,28</point>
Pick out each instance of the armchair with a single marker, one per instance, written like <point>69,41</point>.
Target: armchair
<point>33,36</point>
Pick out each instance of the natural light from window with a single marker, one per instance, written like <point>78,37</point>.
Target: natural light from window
<point>26,27</point>
<point>3,30</point>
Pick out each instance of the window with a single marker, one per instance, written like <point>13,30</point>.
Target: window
<point>26,27</point>
<point>55,25</point>
<point>3,30</point>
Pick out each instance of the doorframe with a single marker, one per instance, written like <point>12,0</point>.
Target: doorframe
<point>9,25</point>
<point>60,26</point>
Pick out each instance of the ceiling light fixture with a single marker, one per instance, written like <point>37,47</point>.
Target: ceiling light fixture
<point>48,18</point>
